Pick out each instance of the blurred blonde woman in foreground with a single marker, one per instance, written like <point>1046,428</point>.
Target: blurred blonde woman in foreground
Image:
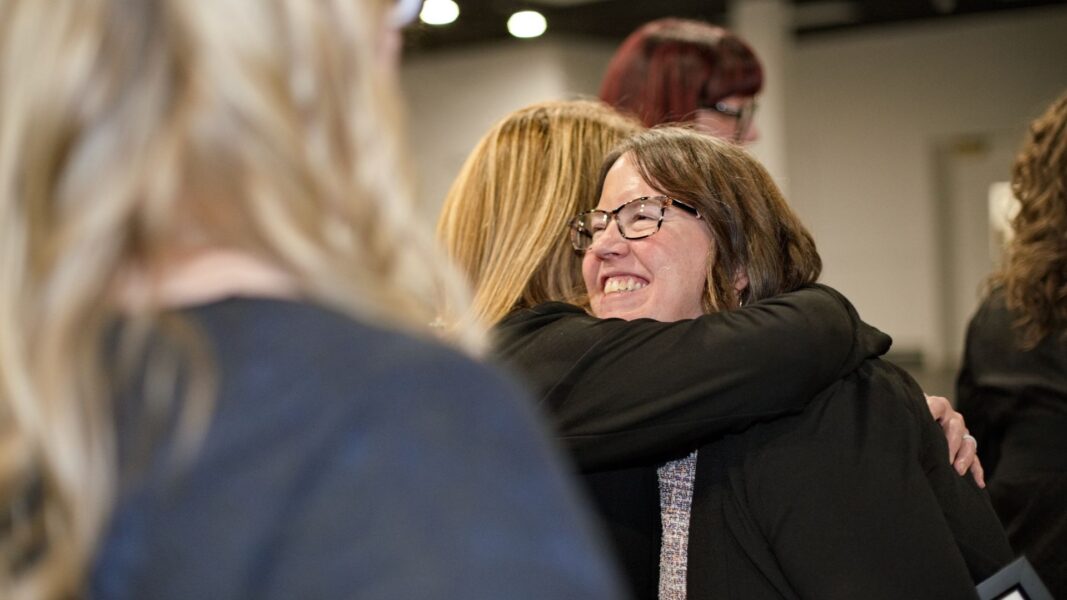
<point>201,211</point>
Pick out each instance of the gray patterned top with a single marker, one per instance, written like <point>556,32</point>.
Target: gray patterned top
<point>675,502</point>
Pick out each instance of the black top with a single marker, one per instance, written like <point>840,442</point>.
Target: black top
<point>853,498</point>
<point>627,395</point>
<point>346,461</point>
<point>1015,402</point>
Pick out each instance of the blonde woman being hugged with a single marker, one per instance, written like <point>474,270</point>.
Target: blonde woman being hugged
<point>206,249</point>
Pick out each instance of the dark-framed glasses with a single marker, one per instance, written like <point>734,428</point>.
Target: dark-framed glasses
<point>742,114</point>
<point>636,219</point>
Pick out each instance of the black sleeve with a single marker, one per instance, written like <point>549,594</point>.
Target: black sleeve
<point>986,408</point>
<point>975,410</point>
<point>640,391</point>
<point>869,507</point>
<point>966,508</point>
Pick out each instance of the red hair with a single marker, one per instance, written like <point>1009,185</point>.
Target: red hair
<point>669,68</point>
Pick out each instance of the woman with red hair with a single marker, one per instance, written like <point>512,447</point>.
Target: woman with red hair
<point>679,70</point>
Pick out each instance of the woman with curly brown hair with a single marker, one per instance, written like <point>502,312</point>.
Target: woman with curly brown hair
<point>1013,385</point>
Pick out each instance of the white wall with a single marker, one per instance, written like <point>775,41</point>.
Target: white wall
<point>454,97</point>
<point>767,26</point>
<point>865,112</point>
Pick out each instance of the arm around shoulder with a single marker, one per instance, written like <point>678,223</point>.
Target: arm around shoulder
<point>623,391</point>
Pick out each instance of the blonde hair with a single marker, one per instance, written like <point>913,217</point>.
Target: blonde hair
<point>1034,272</point>
<point>754,229</point>
<point>130,128</point>
<point>505,218</point>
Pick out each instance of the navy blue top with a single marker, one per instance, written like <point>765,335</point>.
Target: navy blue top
<point>346,461</point>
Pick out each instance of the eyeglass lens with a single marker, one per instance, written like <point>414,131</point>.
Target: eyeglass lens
<point>636,219</point>
<point>744,119</point>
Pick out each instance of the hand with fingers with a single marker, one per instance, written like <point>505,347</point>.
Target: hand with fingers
<point>962,446</point>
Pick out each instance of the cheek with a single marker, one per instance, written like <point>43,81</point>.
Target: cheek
<point>699,270</point>
<point>715,126</point>
<point>696,280</point>
<point>589,272</point>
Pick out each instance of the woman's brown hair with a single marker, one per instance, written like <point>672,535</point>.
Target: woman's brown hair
<point>1034,273</point>
<point>754,230</point>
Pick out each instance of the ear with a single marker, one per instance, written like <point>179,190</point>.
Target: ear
<point>740,280</point>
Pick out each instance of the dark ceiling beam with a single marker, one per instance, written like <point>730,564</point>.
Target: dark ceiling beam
<point>486,20</point>
<point>881,13</point>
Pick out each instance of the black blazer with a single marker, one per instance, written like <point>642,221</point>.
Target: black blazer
<point>852,498</point>
<point>627,396</point>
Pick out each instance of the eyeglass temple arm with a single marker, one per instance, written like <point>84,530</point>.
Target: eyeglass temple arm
<point>685,207</point>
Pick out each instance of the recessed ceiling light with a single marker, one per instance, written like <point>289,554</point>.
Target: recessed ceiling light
<point>439,12</point>
<point>527,24</point>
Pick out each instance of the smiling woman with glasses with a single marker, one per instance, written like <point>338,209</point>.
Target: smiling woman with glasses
<point>852,497</point>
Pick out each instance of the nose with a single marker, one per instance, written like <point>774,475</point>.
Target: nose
<point>610,242</point>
